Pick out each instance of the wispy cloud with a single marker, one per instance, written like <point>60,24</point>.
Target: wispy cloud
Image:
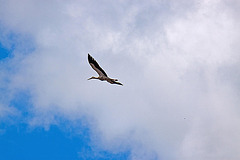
<point>177,60</point>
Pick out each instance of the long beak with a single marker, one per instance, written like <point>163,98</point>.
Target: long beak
<point>88,78</point>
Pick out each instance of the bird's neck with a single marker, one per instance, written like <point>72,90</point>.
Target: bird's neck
<point>93,78</point>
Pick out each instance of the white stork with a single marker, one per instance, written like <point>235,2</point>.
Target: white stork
<point>102,75</point>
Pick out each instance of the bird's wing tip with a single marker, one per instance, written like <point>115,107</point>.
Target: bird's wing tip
<point>90,58</point>
<point>119,83</point>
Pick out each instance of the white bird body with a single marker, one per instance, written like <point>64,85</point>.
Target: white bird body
<point>102,75</point>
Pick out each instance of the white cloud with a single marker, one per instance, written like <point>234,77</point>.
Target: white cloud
<point>172,57</point>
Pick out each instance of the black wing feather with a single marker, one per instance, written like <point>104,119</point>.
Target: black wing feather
<point>94,62</point>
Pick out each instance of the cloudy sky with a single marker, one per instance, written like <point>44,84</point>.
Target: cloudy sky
<point>179,61</point>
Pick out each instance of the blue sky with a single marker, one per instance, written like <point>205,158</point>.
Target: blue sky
<point>178,62</point>
<point>20,142</point>
<point>4,52</point>
<point>61,141</point>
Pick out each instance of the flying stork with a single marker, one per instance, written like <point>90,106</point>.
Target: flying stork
<point>102,74</point>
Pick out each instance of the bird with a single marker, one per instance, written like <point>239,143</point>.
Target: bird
<point>102,74</point>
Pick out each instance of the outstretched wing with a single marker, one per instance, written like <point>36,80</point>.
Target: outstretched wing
<point>96,66</point>
<point>118,83</point>
<point>112,81</point>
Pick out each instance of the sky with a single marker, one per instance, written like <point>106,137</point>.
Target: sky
<point>178,60</point>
